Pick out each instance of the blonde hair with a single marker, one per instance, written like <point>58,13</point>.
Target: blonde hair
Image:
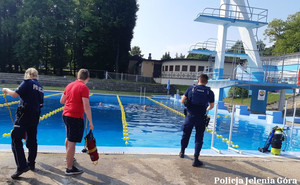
<point>31,73</point>
<point>83,74</point>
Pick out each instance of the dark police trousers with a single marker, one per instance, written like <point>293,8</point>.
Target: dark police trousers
<point>190,122</point>
<point>25,123</point>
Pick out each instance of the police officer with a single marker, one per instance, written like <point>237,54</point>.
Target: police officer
<point>198,99</point>
<point>27,118</point>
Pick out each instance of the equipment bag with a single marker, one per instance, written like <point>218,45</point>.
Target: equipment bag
<point>90,143</point>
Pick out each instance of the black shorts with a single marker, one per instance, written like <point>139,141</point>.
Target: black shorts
<point>75,128</point>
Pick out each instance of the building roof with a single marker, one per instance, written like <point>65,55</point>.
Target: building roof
<point>197,60</point>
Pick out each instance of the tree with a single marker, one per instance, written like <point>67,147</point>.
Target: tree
<point>268,51</point>
<point>181,56</point>
<point>198,56</point>
<point>166,56</point>
<point>237,92</point>
<point>136,51</point>
<point>55,34</point>
<point>237,47</point>
<point>285,34</point>
<point>8,33</point>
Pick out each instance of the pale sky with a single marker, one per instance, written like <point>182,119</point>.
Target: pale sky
<point>169,26</point>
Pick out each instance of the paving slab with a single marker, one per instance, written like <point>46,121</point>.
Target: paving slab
<point>155,169</point>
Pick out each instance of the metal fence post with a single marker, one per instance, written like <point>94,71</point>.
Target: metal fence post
<point>106,75</point>
<point>230,131</point>
<point>293,121</point>
<point>284,117</point>
<point>214,129</point>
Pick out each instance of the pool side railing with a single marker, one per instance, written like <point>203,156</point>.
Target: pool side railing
<point>230,131</point>
<point>214,131</point>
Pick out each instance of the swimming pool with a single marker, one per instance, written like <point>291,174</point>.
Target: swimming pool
<point>155,127</point>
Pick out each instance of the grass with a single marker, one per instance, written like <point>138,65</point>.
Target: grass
<point>272,97</point>
<point>13,86</point>
<point>181,88</point>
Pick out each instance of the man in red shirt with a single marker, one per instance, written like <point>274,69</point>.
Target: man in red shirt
<point>76,100</point>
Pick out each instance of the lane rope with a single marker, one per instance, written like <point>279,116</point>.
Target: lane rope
<point>124,122</point>
<point>16,102</point>
<point>43,117</point>
<point>207,129</point>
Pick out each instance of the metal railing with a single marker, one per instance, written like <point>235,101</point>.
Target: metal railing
<point>246,74</point>
<point>231,46</point>
<point>234,12</point>
<point>180,75</point>
<point>102,74</point>
<point>210,45</point>
<point>128,77</point>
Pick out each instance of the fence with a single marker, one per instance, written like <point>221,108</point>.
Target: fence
<point>128,77</point>
<point>102,74</point>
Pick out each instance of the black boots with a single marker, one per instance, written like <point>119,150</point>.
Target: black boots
<point>181,153</point>
<point>197,162</point>
<point>19,172</point>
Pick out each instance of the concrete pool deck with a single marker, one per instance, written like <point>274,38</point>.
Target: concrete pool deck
<point>155,169</point>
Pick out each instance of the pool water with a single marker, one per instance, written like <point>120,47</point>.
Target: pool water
<point>154,127</point>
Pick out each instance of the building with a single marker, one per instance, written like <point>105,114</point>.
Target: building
<point>178,71</point>
<point>144,67</point>
<point>185,71</point>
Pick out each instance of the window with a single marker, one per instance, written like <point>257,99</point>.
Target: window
<point>192,68</point>
<point>200,68</point>
<point>171,68</point>
<point>166,68</point>
<point>184,68</point>
<point>177,68</point>
<point>163,68</point>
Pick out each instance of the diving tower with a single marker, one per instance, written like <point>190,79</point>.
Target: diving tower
<point>245,18</point>
<point>236,13</point>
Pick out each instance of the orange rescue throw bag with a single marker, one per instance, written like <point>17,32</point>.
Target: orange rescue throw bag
<point>90,143</point>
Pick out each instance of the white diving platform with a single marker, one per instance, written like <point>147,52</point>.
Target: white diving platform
<point>236,16</point>
<point>214,53</point>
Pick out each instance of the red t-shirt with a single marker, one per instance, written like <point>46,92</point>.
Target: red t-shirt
<point>74,93</point>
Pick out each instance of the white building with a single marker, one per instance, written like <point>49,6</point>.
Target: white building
<point>185,71</point>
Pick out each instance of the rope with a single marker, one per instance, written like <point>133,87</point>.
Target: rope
<point>16,102</point>
<point>207,129</point>
<point>11,117</point>
<point>51,113</point>
<point>12,120</point>
<point>125,127</point>
<point>45,116</point>
<point>173,110</point>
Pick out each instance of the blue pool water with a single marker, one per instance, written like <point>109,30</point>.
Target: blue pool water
<point>154,127</point>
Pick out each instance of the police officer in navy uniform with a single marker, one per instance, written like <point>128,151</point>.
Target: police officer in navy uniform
<point>27,118</point>
<point>198,99</point>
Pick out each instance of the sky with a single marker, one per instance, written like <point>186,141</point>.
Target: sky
<point>169,26</point>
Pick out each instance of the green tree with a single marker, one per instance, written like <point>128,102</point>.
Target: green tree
<point>198,56</point>
<point>285,34</point>
<point>181,56</point>
<point>237,47</point>
<point>8,33</point>
<point>268,51</point>
<point>55,34</point>
<point>237,92</point>
<point>166,56</point>
<point>136,51</point>
<point>43,33</point>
